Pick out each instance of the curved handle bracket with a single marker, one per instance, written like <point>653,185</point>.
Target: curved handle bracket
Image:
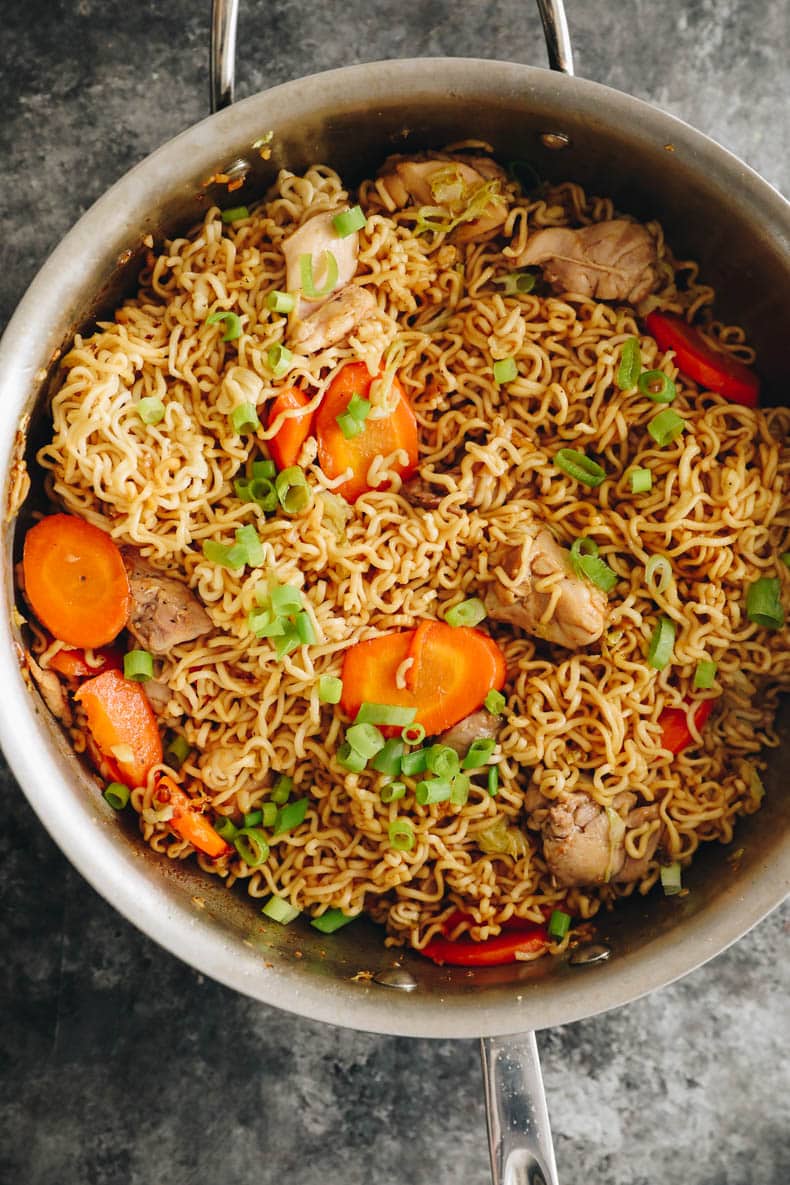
<point>519,1134</point>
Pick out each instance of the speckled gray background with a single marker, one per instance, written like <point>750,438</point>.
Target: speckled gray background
<point>119,1066</point>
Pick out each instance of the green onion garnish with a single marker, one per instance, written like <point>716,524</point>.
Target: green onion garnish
<point>470,612</point>
<point>516,283</point>
<point>505,370</point>
<point>288,641</point>
<point>306,272</point>
<point>630,364</point>
<point>659,652</point>
<point>392,791</point>
<point>304,629</point>
<point>348,221</point>
<point>705,674</point>
<point>670,878</point>
<point>413,734</point>
<point>641,481</point>
<point>401,835</point>
<point>282,789</point>
<point>261,491</point>
<point>232,325</point>
<point>349,426</point>
<point>280,911</point>
<point>290,816</point>
<point>245,416</point>
<point>292,489</point>
<point>579,466</point>
<point>265,624</point>
<point>150,409</point>
<point>785,558</point>
<point>413,763</point>
<point>235,214</point>
<point>281,302</point>
<point>459,791</point>
<point>178,751</point>
<point>432,790</point>
<point>478,753</point>
<point>265,468</point>
<point>252,846</point>
<point>268,813</point>
<point>332,920</point>
<point>247,537</point>
<point>365,739</point>
<point>493,780</point>
<point>657,386</point>
<point>385,714</point>
<point>388,760</point>
<point>586,562</point>
<point>494,703</point>
<point>330,689</point>
<point>763,603</point>
<point>358,407</point>
<point>225,828</point>
<point>666,427</point>
<point>285,599</point>
<point>442,761</point>
<point>253,818</point>
<point>350,759</point>
<point>233,557</point>
<point>138,665</point>
<point>117,795</point>
<point>279,358</point>
<point>559,924</point>
<point>658,574</point>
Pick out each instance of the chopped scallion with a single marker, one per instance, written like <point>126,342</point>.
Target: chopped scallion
<point>279,910</point>
<point>516,283</point>
<point>290,816</point>
<point>358,407</point>
<point>401,835</point>
<point>282,789</point>
<point>348,221</point>
<point>265,468</point>
<point>268,814</point>
<point>432,790</point>
<point>414,763</point>
<point>279,358</point>
<point>349,426</point>
<point>671,878</point>
<point>666,427</point>
<point>785,558</point>
<point>117,795</point>
<point>388,760</point>
<point>559,924</point>
<point>763,603</point>
<point>233,557</point>
<point>281,302</point>
<point>235,214</point>
<point>413,734</point>
<point>586,562</point>
<point>392,791</point>
<point>478,753</point>
<point>332,920</point>
<point>470,612</point>
<point>658,574</point>
<point>285,599</point>
<point>225,828</point>
<point>641,481</point>
<point>252,846</point>
<point>232,325</point>
<point>253,818</point>
<point>177,751</point>
<point>305,630</point>
<point>245,416</point>
<point>288,641</point>
<point>442,761</point>
<point>505,370</point>
<point>247,537</point>
<point>493,780</point>
<point>494,703</point>
<point>705,674</point>
<point>391,714</point>
<point>659,651</point>
<point>292,489</point>
<point>459,789</point>
<point>580,467</point>
<point>330,689</point>
<point>150,409</point>
<point>657,386</point>
<point>365,739</point>
<point>307,277</point>
<point>138,665</point>
<point>630,364</point>
<point>350,759</point>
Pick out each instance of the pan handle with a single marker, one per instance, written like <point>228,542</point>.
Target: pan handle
<point>519,1135</point>
<point>224,14</point>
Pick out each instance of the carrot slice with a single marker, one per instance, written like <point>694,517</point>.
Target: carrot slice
<point>75,580</point>
<point>675,733</point>
<point>122,724</point>
<point>286,445</point>
<point>378,438</point>
<point>455,671</point>
<point>712,369</point>
<point>74,665</point>
<point>189,822</point>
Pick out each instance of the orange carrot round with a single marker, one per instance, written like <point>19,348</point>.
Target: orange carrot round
<point>74,665</point>
<point>189,822</point>
<point>75,580</point>
<point>122,724</point>
<point>453,672</point>
<point>286,444</point>
<point>378,438</point>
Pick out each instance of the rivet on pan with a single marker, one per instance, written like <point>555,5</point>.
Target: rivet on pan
<point>555,140</point>
<point>586,956</point>
<point>396,977</point>
<point>237,168</point>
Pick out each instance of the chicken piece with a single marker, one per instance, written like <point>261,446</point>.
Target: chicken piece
<point>613,260</point>
<point>164,611</point>
<point>52,691</point>
<point>314,238</point>
<point>333,321</point>
<point>579,615</point>
<point>418,492</point>
<point>444,179</point>
<point>472,728</point>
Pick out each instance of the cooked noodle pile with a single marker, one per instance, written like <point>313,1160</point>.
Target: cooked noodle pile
<point>717,510</point>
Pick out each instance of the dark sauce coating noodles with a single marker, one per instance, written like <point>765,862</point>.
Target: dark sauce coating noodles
<point>717,510</point>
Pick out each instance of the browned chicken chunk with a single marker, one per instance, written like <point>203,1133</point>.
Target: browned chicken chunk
<point>333,321</point>
<point>472,728</point>
<point>579,613</point>
<point>613,260</point>
<point>52,691</point>
<point>314,238</point>
<point>164,611</point>
<point>445,179</point>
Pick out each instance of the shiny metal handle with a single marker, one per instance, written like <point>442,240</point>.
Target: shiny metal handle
<point>224,14</point>
<point>519,1135</point>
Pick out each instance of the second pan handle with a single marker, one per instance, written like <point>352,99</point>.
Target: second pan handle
<point>519,1135</point>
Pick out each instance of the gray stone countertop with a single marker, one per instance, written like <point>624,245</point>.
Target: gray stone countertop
<point>121,1066</point>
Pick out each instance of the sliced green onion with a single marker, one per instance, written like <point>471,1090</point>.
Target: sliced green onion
<point>478,753</point>
<point>253,818</point>
<point>292,489</point>
<point>150,409</point>
<point>252,846</point>
<point>241,488</point>
<point>280,911</point>
<point>785,558</point>
<point>705,674</point>
<point>225,828</point>
<point>442,761</point>
<point>232,325</point>
<point>247,537</point>
<point>348,221</point>
<point>350,759</point>
<point>658,574</point>
<point>401,835</point>
<point>290,816</point>
<point>559,922</point>
<point>261,491</point>
<point>432,790</point>
<point>641,481</point>
<point>392,791</point>
<point>306,272</point>
<point>264,468</point>
<point>358,407</point>
<point>666,427</point>
<point>516,283</point>
<point>657,386</point>
<point>279,358</point>
<point>586,562</point>
<point>388,760</point>
<point>305,629</point>
<point>459,789</point>
<point>281,302</point>
<point>470,612</point>
<point>268,814</point>
<point>579,466</point>
<point>178,751</point>
<point>330,689</point>
<point>493,780</point>
<point>138,665</point>
<point>282,789</point>
<point>413,734</point>
<point>265,624</point>
<point>391,714</point>
<point>505,370</point>
<point>494,703</point>
<point>117,795</point>
<point>285,599</point>
<point>630,364</point>
<point>659,652</point>
<point>763,603</point>
<point>413,763</point>
<point>288,641</point>
<point>235,214</point>
<point>227,557</point>
<point>349,426</point>
<point>670,878</point>
<point>245,416</point>
<point>365,739</point>
<point>332,920</point>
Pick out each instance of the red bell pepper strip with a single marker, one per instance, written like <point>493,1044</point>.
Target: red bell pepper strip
<point>73,664</point>
<point>675,732</point>
<point>712,369</point>
<point>492,952</point>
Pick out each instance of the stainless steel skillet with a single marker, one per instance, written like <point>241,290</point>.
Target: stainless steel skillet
<point>497,96</point>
